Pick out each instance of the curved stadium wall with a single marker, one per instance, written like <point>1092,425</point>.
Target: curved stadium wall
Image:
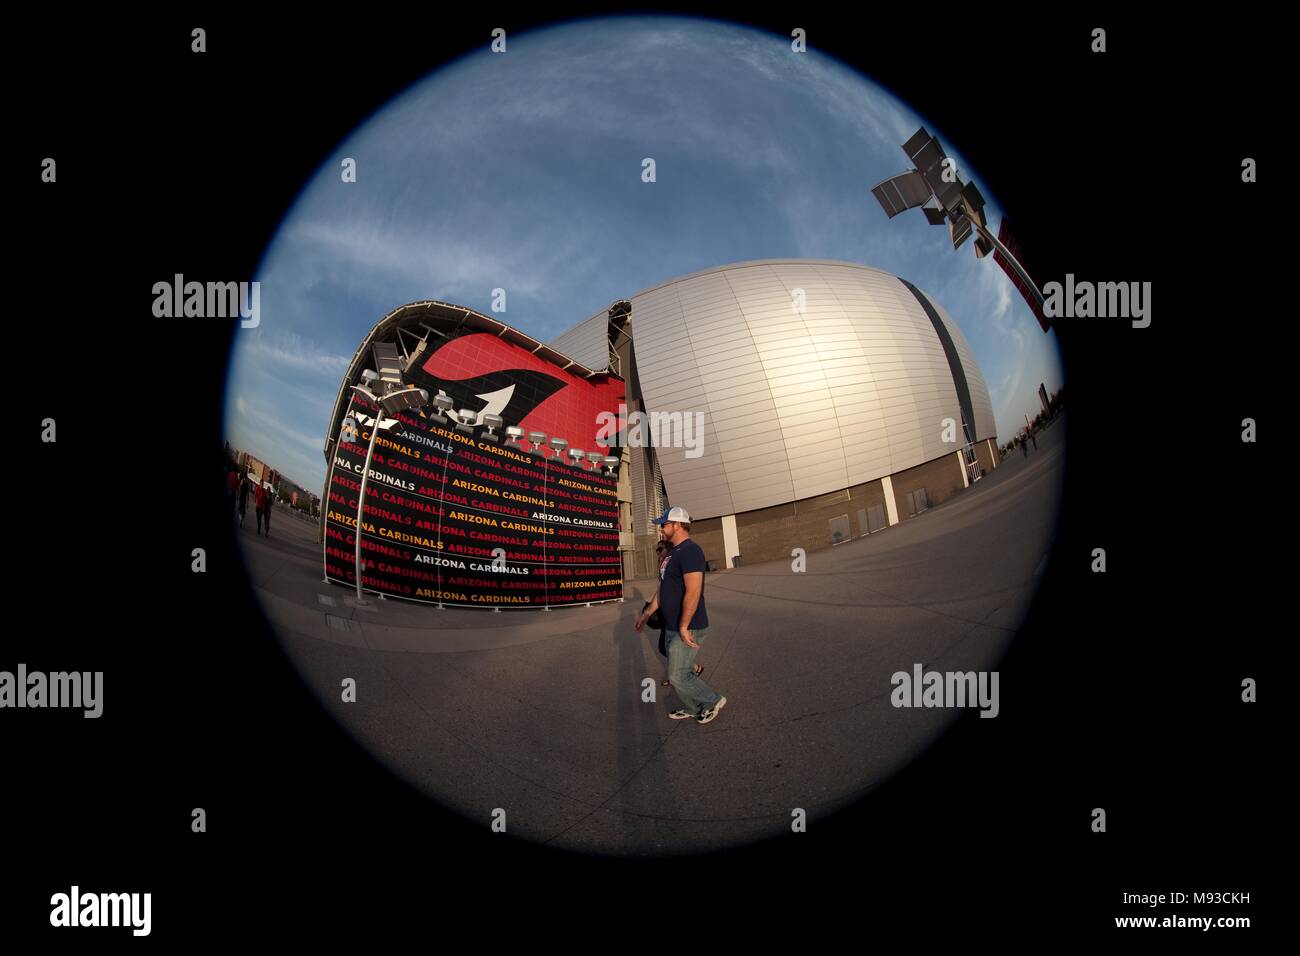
<point>836,399</point>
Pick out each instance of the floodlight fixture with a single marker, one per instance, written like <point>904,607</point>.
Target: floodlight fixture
<point>403,400</point>
<point>936,188</point>
<point>492,422</point>
<point>441,406</point>
<point>466,419</point>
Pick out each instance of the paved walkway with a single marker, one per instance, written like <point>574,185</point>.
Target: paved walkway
<point>540,713</point>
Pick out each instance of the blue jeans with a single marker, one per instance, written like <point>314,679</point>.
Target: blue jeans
<point>694,693</point>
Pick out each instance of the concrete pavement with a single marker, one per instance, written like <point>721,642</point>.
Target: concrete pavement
<point>540,713</point>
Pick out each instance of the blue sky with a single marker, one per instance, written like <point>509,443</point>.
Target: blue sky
<point>522,171</point>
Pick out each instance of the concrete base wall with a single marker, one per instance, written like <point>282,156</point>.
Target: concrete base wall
<point>863,498</point>
<point>762,533</point>
<point>770,534</point>
<point>708,535</point>
<point>940,478</point>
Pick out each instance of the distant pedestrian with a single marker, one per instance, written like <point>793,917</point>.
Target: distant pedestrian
<point>259,505</point>
<point>1024,447</point>
<point>1034,438</point>
<point>232,489</point>
<point>243,498</point>
<point>266,518</point>
<point>681,599</point>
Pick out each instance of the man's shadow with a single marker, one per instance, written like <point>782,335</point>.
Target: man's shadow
<point>643,728</point>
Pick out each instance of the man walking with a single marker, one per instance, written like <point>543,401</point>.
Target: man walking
<point>681,600</point>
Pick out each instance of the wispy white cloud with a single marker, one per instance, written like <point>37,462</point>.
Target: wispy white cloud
<point>283,349</point>
<point>300,438</point>
<point>446,258</point>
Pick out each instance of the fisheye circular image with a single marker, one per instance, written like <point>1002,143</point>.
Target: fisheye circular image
<point>647,437</point>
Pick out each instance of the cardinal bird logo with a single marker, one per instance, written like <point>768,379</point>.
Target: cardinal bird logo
<point>489,376</point>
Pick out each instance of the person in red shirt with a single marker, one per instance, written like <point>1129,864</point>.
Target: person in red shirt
<point>266,515</point>
<point>259,505</point>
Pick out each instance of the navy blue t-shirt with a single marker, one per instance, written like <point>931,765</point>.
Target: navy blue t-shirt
<point>687,556</point>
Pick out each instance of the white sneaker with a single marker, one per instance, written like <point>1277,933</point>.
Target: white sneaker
<point>680,714</point>
<point>712,712</point>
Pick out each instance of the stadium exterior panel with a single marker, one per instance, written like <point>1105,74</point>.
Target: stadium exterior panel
<point>835,399</point>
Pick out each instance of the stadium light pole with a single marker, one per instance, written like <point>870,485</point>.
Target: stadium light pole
<point>396,400</point>
<point>959,204</point>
